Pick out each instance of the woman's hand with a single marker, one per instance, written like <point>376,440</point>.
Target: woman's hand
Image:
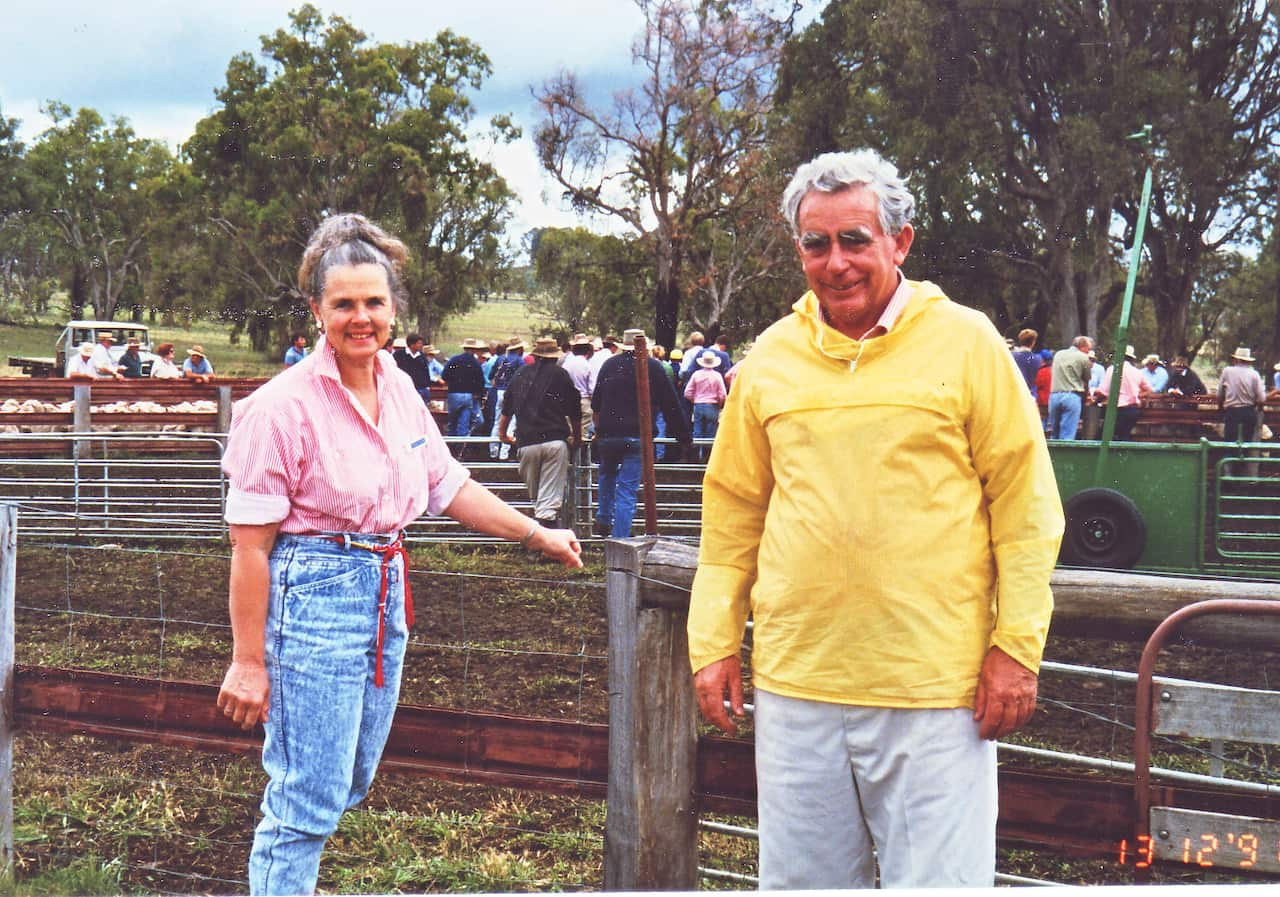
<point>244,693</point>
<point>558,544</point>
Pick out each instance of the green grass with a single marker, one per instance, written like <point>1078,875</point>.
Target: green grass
<point>495,320</point>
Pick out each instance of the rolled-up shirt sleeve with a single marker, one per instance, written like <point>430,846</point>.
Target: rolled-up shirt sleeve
<point>261,463</point>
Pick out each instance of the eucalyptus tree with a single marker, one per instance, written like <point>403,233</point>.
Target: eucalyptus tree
<point>93,186</point>
<point>329,122</point>
<point>668,155</point>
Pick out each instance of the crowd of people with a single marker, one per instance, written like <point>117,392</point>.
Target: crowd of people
<point>1071,386</point>
<point>95,361</point>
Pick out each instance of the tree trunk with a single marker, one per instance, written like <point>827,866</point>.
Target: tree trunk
<point>666,302</point>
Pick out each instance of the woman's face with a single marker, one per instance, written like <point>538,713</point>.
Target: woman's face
<point>356,311</point>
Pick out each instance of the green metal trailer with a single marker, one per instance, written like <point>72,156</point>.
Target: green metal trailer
<point>1199,508</point>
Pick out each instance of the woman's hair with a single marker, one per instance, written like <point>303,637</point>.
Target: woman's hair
<point>351,239</point>
<point>164,349</point>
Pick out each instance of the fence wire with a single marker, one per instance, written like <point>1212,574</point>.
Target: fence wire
<point>495,633</point>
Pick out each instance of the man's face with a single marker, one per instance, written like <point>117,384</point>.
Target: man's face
<point>849,261</point>
<point>416,346</point>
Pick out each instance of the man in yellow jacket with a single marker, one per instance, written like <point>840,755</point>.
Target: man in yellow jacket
<point>880,500</point>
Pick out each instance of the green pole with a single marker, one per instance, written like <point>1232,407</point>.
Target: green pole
<point>1122,330</point>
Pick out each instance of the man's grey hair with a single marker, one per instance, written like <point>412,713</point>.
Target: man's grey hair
<point>832,172</point>
<point>1082,342</point>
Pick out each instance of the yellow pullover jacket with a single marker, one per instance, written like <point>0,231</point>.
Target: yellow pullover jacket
<point>885,510</point>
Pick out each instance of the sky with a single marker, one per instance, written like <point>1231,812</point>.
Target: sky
<point>158,62</point>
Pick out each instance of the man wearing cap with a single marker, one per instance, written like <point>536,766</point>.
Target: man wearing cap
<point>577,364</point>
<point>1133,386</point>
<point>1069,387</point>
<point>891,527</point>
<point>617,422</point>
<point>413,362</point>
<point>1155,374</point>
<point>542,402</point>
<point>464,378</point>
<point>80,366</point>
<point>197,367</point>
<point>103,364</point>
<point>131,360</point>
<point>500,377</point>
<point>1242,395</point>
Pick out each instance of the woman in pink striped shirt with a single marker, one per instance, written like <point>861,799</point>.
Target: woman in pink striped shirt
<point>327,463</point>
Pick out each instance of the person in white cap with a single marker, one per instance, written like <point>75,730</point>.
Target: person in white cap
<point>892,529</point>
<point>1241,396</point>
<point>80,366</point>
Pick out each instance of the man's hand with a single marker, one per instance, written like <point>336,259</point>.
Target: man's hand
<point>712,683</point>
<point>1006,695</point>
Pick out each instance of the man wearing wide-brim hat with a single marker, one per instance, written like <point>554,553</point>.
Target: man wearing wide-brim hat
<point>80,366</point>
<point>103,364</point>
<point>1154,372</point>
<point>197,366</point>
<point>542,402</point>
<point>131,360</point>
<point>1241,395</point>
<point>500,373</point>
<point>1133,386</point>
<point>617,426</point>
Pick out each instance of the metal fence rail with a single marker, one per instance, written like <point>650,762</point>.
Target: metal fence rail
<point>170,486</point>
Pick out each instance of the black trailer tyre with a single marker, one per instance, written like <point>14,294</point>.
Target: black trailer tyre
<point>1104,529</point>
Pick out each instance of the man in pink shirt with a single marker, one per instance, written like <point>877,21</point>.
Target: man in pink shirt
<point>1133,386</point>
<point>706,391</point>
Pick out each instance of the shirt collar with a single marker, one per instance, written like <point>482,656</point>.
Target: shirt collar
<point>893,310</point>
<point>326,360</point>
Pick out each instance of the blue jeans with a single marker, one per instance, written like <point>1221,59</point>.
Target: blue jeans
<point>1064,414</point>
<point>326,722</point>
<point>459,405</point>
<point>620,467</point>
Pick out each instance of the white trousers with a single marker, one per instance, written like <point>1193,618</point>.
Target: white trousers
<point>840,787</point>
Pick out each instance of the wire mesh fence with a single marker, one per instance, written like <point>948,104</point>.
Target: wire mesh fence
<point>495,633</point>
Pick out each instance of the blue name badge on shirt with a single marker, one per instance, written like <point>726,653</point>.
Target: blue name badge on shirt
<point>416,444</point>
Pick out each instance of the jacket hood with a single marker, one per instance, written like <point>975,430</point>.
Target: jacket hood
<point>829,341</point>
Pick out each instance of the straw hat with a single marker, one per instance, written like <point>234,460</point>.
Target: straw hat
<point>545,347</point>
<point>1151,359</point>
<point>1130,354</point>
<point>429,349</point>
<point>709,360</point>
<point>1242,354</point>
<point>580,339</point>
<point>399,343</point>
<point>515,343</point>
<point>472,343</point>
<point>629,338</point>
<point>86,349</point>
<point>196,351</point>
<point>106,334</point>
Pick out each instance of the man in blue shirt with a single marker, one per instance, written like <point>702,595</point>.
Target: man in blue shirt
<point>1155,374</point>
<point>297,350</point>
<point>197,366</point>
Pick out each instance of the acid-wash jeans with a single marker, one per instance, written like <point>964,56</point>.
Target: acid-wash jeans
<point>327,722</point>
<point>620,468</point>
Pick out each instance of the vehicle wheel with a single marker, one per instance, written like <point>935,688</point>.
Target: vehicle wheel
<point>1104,529</point>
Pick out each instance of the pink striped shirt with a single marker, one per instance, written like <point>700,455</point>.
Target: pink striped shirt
<point>303,453</point>
<point>705,387</point>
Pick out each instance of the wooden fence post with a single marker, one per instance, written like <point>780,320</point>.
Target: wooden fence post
<point>651,832</point>
<point>8,578</point>
<point>224,410</point>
